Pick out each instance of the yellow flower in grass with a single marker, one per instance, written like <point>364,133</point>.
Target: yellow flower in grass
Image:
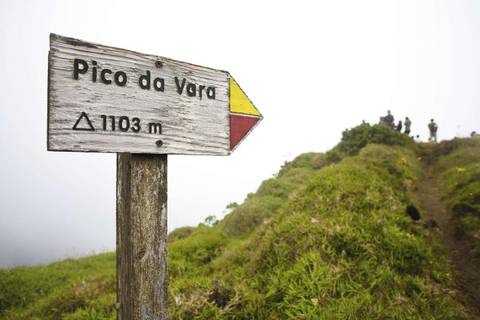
<point>402,161</point>
<point>459,169</point>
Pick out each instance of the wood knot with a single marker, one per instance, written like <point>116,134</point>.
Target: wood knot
<point>141,253</point>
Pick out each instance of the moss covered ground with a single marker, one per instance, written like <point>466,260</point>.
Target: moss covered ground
<point>327,238</point>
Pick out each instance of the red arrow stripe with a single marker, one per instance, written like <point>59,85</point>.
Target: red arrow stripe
<point>240,126</point>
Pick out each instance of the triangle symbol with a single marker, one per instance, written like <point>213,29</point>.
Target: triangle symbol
<point>85,125</point>
<point>239,102</point>
<point>240,126</point>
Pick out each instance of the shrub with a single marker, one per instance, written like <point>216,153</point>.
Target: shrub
<point>180,233</point>
<point>353,140</point>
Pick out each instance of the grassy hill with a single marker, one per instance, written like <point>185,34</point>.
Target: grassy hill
<point>327,238</point>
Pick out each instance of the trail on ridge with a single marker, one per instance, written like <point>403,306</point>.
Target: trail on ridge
<point>466,268</point>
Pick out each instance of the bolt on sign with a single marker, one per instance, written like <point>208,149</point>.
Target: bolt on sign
<point>105,99</point>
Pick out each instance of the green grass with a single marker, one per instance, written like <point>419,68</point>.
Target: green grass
<point>327,238</point>
<point>341,246</point>
<point>80,288</point>
<point>458,165</point>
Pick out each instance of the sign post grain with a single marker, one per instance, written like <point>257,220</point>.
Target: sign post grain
<point>141,236</point>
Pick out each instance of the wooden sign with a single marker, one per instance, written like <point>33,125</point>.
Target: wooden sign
<point>104,99</point>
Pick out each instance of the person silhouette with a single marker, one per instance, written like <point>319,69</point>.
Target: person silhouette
<point>433,128</point>
<point>399,126</point>
<point>389,120</point>
<point>408,125</point>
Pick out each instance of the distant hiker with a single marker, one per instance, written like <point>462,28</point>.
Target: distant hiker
<point>399,126</point>
<point>433,128</point>
<point>389,120</point>
<point>408,124</point>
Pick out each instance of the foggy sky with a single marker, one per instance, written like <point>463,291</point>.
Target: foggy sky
<point>312,69</point>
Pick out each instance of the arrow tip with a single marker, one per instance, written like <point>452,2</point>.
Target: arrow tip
<point>243,114</point>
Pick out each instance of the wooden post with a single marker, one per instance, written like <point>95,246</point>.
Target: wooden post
<point>141,237</point>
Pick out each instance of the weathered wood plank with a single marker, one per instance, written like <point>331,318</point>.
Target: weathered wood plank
<point>189,124</point>
<point>142,237</point>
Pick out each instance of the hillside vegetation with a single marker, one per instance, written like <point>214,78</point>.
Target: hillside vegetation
<point>458,165</point>
<point>456,168</point>
<point>326,238</point>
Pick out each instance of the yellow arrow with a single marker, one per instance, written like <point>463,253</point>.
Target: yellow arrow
<point>239,102</point>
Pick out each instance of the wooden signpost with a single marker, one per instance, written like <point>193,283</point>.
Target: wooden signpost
<point>142,107</point>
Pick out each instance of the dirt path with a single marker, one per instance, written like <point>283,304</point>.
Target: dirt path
<point>466,269</point>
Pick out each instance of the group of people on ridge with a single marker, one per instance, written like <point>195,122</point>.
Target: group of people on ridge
<point>390,121</point>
